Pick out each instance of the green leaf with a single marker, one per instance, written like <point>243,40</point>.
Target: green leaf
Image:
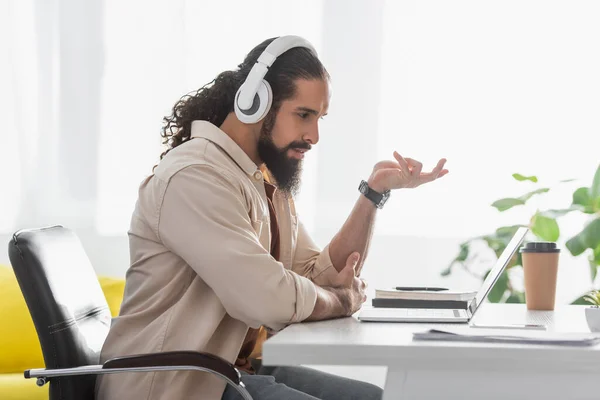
<point>561,212</point>
<point>510,202</point>
<point>520,177</point>
<point>582,197</point>
<point>545,228</point>
<point>593,270</point>
<point>516,297</point>
<point>575,245</point>
<point>464,252</point>
<point>508,231</point>
<point>567,180</point>
<point>588,238</point>
<point>596,255</point>
<point>499,288</point>
<point>592,297</point>
<point>527,196</point>
<point>580,300</point>
<point>507,203</point>
<point>496,244</point>
<point>460,258</point>
<point>595,188</point>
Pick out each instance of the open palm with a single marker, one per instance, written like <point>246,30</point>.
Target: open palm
<point>404,173</point>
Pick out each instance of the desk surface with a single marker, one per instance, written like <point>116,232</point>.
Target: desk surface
<point>348,341</point>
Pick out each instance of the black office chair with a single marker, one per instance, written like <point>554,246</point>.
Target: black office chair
<point>72,319</point>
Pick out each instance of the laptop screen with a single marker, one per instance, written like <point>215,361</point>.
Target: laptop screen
<point>495,273</point>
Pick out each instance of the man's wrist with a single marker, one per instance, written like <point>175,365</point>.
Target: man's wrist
<point>344,304</point>
<point>331,303</point>
<point>376,185</point>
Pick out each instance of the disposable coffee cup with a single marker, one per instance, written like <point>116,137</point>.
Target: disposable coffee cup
<point>540,266</point>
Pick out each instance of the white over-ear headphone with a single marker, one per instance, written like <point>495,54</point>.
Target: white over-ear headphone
<point>254,98</point>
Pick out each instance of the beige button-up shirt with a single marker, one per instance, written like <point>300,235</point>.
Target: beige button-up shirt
<point>201,272</point>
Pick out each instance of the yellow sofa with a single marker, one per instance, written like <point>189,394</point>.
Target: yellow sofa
<point>19,345</point>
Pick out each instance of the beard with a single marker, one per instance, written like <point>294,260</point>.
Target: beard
<point>285,170</point>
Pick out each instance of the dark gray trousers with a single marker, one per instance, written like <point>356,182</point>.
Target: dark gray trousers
<point>299,383</point>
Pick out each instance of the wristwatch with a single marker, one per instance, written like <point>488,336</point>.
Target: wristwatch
<point>377,198</point>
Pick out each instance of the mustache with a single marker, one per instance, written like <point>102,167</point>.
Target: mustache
<point>299,145</point>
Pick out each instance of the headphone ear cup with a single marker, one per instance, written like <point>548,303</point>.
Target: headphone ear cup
<point>269,99</point>
<point>260,106</point>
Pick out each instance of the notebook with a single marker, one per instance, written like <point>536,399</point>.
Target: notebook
<point>409,303</point>
<point>445,295</point>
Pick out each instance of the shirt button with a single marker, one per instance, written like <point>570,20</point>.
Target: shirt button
<point>258,175</point>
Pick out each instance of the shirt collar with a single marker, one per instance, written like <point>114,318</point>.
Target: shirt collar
<point>206,130</point>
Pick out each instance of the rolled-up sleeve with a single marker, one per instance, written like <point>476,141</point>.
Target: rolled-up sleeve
<point>203,218</point>
<point>312,262</point>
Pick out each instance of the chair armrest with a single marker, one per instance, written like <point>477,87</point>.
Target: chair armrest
<point>177,358</point>
<point>167,361</point>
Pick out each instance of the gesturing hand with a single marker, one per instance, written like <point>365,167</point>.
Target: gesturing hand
<point>403,173</point>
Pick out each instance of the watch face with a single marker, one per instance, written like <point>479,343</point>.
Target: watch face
<point>364,187</point>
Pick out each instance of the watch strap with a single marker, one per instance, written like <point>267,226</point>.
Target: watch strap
<point>377,198</point>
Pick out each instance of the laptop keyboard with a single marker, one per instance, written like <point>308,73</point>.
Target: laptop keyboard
<point>412,314</point>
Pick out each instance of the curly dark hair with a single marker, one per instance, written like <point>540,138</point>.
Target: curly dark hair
<point>214,101</point>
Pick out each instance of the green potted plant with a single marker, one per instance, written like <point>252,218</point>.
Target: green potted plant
<point>592,314</point>
<point>543,224</point>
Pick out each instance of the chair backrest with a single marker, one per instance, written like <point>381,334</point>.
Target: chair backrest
<point>65,301</point>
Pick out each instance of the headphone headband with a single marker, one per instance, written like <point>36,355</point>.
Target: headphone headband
<point>246,107</point>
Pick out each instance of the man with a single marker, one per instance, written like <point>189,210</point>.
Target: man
<point>219,259</point>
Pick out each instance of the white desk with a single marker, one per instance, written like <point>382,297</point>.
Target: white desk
<point>450,370</point>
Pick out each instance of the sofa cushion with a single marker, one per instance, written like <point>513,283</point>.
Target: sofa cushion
<point>113,289</point>
<point>16,387</point>
<point>19,345</point>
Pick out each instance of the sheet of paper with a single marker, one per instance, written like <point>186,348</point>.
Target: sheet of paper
<point>465,334</point>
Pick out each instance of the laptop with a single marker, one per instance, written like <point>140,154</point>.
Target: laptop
<point>448,315</point>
